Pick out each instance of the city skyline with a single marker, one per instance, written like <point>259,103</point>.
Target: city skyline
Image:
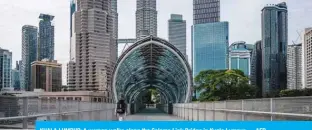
<point>16,15</point>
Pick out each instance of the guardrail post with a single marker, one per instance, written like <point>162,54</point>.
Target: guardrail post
<point>213,111</point>
<point>25,113</point>
<point>205,110</point>
<point>78,110</point>
<point>243,114</point>
<point>59,109</point>
<point>184,117</point>
<point>192,109</point>
<point>198,111</point>
<point>271,108</point>
<point>226,113</point>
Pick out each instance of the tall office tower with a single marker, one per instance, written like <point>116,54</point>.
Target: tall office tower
<point>307,58</point>
<point>239,57</point>
<point>46,37</point>
<point>72,47</point>
<point>16,77</point>
<point>294,66</point>
<point>95,50</point>
<point>177,32</point>
<point>210,46</point>
<point>256,67</point>
<point>29,54</point>
<point>5,68</point>
<point>274,51</point>
<point>206,11</point>
<point>146,18</point>
<point>210,37</point>
<point>46,75</point>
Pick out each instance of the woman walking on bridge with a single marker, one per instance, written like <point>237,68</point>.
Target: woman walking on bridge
<point>121,108</point>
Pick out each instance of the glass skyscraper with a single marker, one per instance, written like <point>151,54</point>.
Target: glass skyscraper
<point>206,11</point>
<point>210,46</point>
<point>29,52</point>
<point>239,57</point>
<point>46,37</point>
<point>256,67</point>
<point>16,77</point>
<point>274,53</point>
<point>177,32</point>
<point>5,68</point>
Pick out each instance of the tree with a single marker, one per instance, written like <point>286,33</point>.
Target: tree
<point>218,85</point>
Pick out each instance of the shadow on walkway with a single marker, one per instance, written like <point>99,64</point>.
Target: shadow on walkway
<point>151,114</point>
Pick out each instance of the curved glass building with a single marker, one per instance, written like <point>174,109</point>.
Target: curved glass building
<point>152,63</point>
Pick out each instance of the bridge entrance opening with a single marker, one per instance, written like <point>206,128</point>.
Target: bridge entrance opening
<point>152,69</point>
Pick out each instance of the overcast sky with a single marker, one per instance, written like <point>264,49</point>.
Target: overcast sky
<point>243,15</point>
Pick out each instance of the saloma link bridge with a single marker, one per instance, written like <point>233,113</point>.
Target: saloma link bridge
<point>152,63</point>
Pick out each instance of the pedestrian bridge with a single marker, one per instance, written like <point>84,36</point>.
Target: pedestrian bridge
<point>152,63</point>
<point>27,111</point>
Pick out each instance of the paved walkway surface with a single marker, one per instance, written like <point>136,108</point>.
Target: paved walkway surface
<point>151,114</point>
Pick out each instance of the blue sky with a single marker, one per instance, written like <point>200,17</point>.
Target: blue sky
<point>244,17</point>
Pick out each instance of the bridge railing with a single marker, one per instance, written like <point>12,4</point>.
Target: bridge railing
<point>23,112</point>
<point>290,108</point>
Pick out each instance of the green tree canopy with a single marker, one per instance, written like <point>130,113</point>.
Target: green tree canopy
<point>217,85</point>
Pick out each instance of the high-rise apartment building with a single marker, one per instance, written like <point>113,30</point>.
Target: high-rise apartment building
<point>307,58</point>
<point>46,75</point>
<point>146,18</point>
<point>177,32</point>
<point>274,51</point>
<point>94,53</point>
<point>206,11</point>
<point>294,66</point>
<point>115,18</point>
<point>16,77</point>
<point>256,67</point>
<point>72,47</point>
<point>5,68</point>
<point>240,57</point>
<point>29,54</point>
<point>46,37</point>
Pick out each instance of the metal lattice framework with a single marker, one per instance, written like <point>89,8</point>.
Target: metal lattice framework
<point>152,63</point>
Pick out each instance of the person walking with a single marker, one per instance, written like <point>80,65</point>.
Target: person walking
<point>121,109</point>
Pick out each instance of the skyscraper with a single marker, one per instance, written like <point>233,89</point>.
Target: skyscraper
<point>72,48</point>
<point>206,11</point>
<point>210,37</point>
<point>210,46</point>
<point>115,18</point>
<point>29,54</point>
<point>115,23</point>
<point>94,47</point>
<point>274,51</point>
<point>294,66</point>
<point>5,68</point>
<point>177,32</point>
<point>46,37</point>
<point>239,57</point>
<point>16,77</point>
<point>146,18</point>
<point>307,58</point>
<point>256,67</point>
